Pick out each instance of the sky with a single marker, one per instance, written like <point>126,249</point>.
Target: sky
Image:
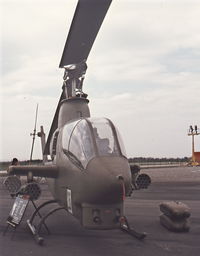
<point>143,73</point>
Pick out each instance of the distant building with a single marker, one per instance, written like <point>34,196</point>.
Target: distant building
<point>196,158</point>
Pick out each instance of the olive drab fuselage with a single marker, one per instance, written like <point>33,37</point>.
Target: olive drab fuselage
<point>93,175</point>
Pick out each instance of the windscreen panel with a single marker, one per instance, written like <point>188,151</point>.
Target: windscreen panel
<point>81,144</point>
<point>78,143</point>
<point>121,143</point>
<point>67,132</point>
<point>104,137</point>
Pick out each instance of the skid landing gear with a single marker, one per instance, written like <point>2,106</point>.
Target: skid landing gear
<point>124,226</point>
<point>36,230</point>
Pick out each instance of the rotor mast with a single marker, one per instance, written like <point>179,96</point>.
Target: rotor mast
<point>73,80</point>
<point>87,20</point>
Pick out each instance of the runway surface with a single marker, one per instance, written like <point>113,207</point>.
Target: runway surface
<point>142,210</point>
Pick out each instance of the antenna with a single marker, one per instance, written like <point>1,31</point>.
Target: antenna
<point>34,133</point>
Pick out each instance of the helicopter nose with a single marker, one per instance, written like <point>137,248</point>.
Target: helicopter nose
<point>110,179</point>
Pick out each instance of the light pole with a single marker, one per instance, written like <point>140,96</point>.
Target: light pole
<point>192,132</point>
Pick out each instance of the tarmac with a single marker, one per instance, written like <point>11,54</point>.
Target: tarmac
<point>68,237</point>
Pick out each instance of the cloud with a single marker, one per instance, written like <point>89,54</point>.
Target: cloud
<point>152,122</point>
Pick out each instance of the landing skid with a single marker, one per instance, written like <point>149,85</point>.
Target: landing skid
<point>36,230</point>
<point>124,226</point>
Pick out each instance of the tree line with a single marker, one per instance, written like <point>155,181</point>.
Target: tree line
<point>4,165</point>
<point>156,159</point>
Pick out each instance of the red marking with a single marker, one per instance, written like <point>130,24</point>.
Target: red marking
<point>107,211</point>
<point>26,197</point>
<point>122,220</point>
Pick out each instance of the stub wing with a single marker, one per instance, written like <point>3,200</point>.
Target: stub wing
<point>48,171</point>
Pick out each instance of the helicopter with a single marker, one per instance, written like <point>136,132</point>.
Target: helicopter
<point>88,172</point>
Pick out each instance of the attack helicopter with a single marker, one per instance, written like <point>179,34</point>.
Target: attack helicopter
<point>88,173</point>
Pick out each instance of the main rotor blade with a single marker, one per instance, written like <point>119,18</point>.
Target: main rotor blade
<point>86,23</point>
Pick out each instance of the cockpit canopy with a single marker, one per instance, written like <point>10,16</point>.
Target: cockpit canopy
<point>87,138</point>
